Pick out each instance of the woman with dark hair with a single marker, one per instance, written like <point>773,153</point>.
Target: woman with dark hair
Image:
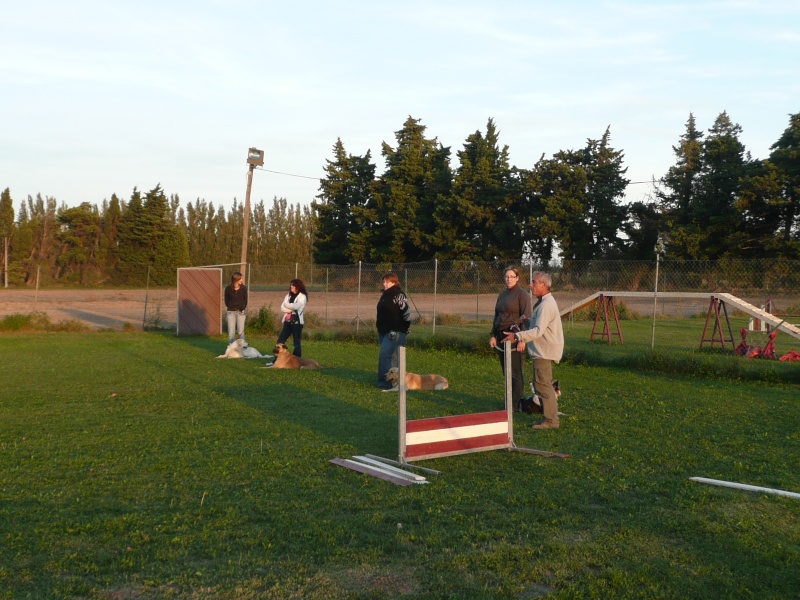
<point>236,306</point>
<point>294,308</point>
<point>513,310</point>
<point>393,322</point>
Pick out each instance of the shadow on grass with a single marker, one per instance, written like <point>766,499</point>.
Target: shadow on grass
<point>350,423</point>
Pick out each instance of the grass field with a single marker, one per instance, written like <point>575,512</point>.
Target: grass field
<point>136,465</point>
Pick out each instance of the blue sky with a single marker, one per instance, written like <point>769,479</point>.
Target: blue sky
<point>98,97</point>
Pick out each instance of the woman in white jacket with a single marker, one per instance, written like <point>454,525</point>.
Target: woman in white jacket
<point>293,309</point>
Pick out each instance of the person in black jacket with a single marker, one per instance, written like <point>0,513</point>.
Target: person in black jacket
<point>236,305</point>
<point>393,322</point>
<point>513,309</point>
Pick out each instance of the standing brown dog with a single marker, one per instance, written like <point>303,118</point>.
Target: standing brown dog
<point>286,360</point>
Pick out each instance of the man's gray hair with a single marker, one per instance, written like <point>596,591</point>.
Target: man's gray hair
<point>545,278</point>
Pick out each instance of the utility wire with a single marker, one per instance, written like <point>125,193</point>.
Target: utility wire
<point>289,174</point>
<point>319,179</point>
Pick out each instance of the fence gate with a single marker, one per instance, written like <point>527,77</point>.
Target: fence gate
<point>199,301</point>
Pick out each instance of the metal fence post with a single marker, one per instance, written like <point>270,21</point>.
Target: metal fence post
<point>435,277</point>
<point>358,299</point>
<point>477,291</point>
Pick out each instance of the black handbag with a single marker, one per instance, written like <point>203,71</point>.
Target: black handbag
<point>294,319</point>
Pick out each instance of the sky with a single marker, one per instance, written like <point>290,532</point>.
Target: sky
<point>101,97</point>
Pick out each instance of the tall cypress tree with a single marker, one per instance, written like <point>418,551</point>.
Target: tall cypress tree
<point>6,228</point>
<point>417,176</point>
<point>713,212</point>
<point>606,184</point>
<point>785,156</point>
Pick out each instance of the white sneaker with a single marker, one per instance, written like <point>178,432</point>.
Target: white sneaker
<point>394,389</point>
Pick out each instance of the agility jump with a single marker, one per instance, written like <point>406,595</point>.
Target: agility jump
<point>442,436</point>
<point>459,434</point>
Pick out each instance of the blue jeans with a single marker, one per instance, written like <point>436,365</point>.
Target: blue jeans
<point>296,331</point>
<point>387,352</point>
<point>235,322</point>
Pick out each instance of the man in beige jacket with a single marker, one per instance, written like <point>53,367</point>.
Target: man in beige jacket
<point>545,341</point>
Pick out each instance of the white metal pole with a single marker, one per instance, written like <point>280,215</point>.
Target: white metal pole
<point>401,410</point>
<point>509,400</point>
<point>744,486</point>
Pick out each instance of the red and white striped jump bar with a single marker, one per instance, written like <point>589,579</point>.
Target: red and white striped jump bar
<point>459,434</point>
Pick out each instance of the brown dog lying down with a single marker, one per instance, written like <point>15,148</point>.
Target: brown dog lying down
<point>286,360</point>
<point>418,382</point>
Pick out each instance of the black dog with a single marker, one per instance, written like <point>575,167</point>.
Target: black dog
<point>533,404</point>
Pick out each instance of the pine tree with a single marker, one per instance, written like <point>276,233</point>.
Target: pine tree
<point>473,221</point>
<point>149,237</point>
<point>79,233</point>
<point>556,190</point>
<point>346,191</point>
<point>580,193</point>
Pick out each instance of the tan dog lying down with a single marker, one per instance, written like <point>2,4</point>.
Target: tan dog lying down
<point>286,360</point>
<point>418,382</point>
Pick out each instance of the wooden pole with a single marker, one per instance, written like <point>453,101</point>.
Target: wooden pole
<point>246,224</point>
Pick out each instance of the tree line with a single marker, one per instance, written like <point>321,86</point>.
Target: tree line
<point>119,242</point>
<point>715,202</point>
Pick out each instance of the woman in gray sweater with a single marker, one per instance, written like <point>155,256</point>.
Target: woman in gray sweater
<point>513,309</point>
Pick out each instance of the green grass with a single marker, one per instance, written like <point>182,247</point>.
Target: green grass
<point>136,465</point>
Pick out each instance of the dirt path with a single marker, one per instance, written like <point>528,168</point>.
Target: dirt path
<point>98,308</point>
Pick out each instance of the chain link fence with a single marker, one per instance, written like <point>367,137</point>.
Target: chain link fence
<point>456,292</point>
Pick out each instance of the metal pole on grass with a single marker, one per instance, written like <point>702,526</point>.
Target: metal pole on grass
<point>508,399</point>
<point>401,409</point>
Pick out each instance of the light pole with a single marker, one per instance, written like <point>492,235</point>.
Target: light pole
<point>660,249</point>
<point>255,158</point>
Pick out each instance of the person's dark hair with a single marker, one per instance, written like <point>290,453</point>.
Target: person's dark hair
<point>391,277</point>
<point>301,287</point>
<point>236,277</point>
